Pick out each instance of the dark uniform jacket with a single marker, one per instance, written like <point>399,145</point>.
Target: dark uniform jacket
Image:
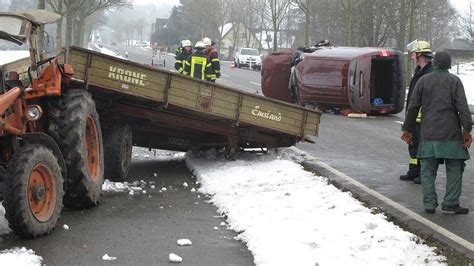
<point>180,59</point>
<point>419,72</point>
<point>215,63</point>
<point>198,66</point>
<point>442,98</point>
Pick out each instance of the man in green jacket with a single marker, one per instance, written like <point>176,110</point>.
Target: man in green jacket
<point>445,132</point>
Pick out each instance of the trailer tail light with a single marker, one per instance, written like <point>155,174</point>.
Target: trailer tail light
<point>33,112</point>
<point>385,53</point>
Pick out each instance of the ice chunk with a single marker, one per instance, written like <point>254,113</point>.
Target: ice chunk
<point>175,258</point>
<point>65,227</point>
<point>184,242</point>
<point>152,186</point>
<point>107,257</point>
<point>185,184</point>
<point>193,190</point>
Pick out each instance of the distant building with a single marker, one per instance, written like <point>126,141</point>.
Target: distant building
<point>236,36</point>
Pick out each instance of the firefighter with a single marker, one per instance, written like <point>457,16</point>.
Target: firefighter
<point>422,55</point>
<point>186,51</point>
<point>198,64</point>
<point>214,57</point>
<point>445,132</point>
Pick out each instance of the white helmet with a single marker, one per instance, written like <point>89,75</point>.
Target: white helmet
<point>199,45</point>
<point>185,43</point>
<point>207,41</point>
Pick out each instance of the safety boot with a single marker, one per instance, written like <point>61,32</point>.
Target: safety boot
<point>457,209</point>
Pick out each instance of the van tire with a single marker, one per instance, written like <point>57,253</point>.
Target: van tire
<point>117,151</point>
<point>74,125</point>
<point>33,172</point>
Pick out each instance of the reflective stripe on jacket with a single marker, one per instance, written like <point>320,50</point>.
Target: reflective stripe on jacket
<point>198,66</point>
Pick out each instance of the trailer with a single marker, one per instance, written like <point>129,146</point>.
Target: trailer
<point>156,108</point>
<point>70,120</point>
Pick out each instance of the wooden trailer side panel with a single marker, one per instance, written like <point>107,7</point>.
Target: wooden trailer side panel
<point>173,89</point>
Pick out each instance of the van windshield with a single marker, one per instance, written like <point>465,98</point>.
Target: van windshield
<point>249,52</point>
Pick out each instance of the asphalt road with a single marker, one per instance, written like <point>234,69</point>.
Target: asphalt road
<point>370,151</point>
<point>142,229</point>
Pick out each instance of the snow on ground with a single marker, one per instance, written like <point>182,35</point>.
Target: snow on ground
<point>15,256</point>
<point>288,216</point>
<point>10,56</point>
<point>141,154</point>
<point>4,229</point>
<point>466,74</point>
<point>19,256</point>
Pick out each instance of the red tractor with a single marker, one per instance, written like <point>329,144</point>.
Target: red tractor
<point>50,138</point>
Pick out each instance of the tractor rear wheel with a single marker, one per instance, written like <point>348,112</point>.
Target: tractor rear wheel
<point>33,193</point>
<point>74,124</point>
<point>118,151</point>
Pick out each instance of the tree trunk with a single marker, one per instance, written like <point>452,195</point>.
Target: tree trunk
<point>275,42</point>
<point>59,32</point>
<point>69,28</point>
<point>40,42</point>
<point>347,36</point>
<point>306,28</point>
<point>79,31</point>
<point>411,36</point>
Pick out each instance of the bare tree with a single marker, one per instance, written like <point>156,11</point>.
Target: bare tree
<point>276,12</point>
<point>307,7</point>
<point>467,22</point>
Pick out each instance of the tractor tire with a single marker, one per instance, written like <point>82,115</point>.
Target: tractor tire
<point>74,125</point>
<point>33,193</point>
<point>117,151</point>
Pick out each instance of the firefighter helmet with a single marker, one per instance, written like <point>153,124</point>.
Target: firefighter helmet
<point>199,45</point>
<point>422,47</point>
<point>207,41</point>
<point>185,43</point>
<point>442,60</point>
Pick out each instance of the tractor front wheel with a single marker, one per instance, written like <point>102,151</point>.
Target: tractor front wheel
<point>33,193</point>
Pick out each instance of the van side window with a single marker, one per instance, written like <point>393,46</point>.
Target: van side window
<point>352,74</point>
<point>361,84</point>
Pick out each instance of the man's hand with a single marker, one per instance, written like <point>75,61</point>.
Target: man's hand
<point>466,135</point>
<point>407,137</point>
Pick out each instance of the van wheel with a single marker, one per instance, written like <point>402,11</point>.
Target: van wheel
<point>33,191</point>
<point>74,124</point>
<point>118,151</point>
<point>238,64</point>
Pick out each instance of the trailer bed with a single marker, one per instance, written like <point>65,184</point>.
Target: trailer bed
<point>172,111</point>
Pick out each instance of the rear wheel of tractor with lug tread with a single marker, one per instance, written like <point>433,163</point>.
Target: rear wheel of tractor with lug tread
<point>33,193</point>
<point>117,151</point>
<point>74,124</point>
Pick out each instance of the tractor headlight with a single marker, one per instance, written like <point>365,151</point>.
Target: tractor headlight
<point>33,112</point>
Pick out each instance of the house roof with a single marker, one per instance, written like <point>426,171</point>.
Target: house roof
<point>224,29</point>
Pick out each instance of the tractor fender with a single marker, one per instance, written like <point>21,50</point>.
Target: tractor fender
<point>48,141</point>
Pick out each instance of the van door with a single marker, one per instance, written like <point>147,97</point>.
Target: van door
<point>358,85</point>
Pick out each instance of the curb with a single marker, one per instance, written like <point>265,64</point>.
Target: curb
<point>405,216</point>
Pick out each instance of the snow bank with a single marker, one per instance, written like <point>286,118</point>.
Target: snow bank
<point>288,216</point>
<point>140,153</point>
<point>10,56</point>
<point>19,256</point>
<point>4,229</point>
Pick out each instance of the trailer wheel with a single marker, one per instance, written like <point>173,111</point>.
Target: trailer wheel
<point>33,191</point>
<point>74,124</point>
<point>118,151</point>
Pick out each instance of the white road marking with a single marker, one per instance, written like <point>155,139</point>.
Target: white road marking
<point>225,75</point>
<point>398,122</point>
<point>255,83</point>
<point>441,230</point>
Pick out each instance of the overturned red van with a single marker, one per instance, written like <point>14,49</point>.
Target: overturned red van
<point>369,80</point>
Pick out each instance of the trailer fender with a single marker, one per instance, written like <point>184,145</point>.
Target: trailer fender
<point>48,141</point>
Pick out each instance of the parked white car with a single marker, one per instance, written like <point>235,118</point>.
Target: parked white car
<point>248,57</point>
